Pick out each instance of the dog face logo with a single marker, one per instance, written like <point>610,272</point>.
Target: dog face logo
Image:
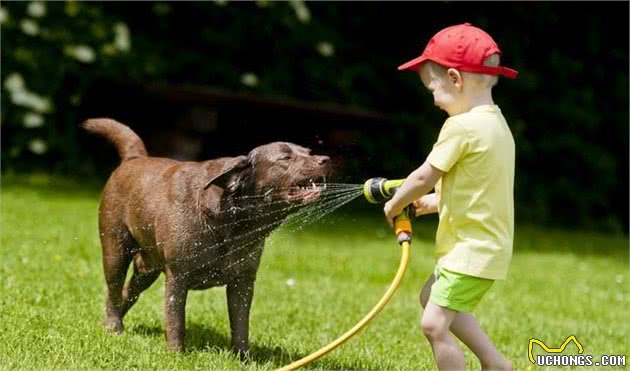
<point>552,350</point>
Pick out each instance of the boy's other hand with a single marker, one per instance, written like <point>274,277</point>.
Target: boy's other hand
<point>426,204</point>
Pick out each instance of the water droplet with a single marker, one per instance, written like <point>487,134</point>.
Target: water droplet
<point>291,282</point>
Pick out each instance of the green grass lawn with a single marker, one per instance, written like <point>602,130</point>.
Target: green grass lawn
<point>52,288</point>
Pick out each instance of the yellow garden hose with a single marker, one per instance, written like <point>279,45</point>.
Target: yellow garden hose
<point>403,231</point>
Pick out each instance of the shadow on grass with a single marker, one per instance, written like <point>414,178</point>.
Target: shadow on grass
<point>53,185</point>
<point>201,338</point>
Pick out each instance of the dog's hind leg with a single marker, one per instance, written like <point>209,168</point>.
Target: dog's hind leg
<point>117,246</point>
<point>142,278</point>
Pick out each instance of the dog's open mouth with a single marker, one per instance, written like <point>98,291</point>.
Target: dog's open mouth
<point>308,190</point>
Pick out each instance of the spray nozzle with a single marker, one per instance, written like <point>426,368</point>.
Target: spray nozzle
<point>379,190</point>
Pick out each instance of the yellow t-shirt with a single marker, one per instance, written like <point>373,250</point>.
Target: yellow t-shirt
<point>476,195</point>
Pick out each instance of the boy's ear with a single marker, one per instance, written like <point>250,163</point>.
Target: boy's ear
<point>455,78</point>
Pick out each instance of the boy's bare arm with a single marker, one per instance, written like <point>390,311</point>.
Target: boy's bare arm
<point>417,184</point>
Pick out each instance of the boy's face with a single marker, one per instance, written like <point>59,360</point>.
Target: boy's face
<point>445,93</point>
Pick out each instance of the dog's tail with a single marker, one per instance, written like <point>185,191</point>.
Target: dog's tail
<point>128,143</point>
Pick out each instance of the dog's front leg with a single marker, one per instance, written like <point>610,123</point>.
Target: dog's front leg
<point>175,295</point>
<point>239,297</point>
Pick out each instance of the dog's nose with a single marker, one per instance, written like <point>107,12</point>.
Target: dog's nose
<point>322,160</point>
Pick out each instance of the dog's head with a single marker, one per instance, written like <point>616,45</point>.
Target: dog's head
<point>280,171</point>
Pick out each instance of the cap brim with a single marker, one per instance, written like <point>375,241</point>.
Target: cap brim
<point>412,64</point>
<point>509,73</point>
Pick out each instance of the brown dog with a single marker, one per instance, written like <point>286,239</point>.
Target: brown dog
<point>201,223</point>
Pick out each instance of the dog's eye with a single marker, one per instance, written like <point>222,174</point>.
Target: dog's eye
<point>285,157</point>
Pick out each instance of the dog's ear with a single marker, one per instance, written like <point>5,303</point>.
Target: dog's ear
<point>231,168</point>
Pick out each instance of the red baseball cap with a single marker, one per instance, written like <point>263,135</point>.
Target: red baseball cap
<point>463,47</point>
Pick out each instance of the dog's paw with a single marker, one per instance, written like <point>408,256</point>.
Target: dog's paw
<point>113,326</point>
<point>241,352</point>
<point>175,347</point>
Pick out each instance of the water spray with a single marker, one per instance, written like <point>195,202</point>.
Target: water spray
<point>375,190</point>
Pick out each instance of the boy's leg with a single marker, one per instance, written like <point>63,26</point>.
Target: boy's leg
<point>435,323</point>
<point>467,329</point>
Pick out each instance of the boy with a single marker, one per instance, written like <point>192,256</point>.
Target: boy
<point>472,168</point>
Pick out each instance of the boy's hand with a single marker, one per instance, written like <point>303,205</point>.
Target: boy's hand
<point>418,183</point>
<point>391,212</point>
<point>426,204</point>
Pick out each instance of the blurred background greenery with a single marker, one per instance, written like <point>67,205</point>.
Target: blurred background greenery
<point>335,65</point>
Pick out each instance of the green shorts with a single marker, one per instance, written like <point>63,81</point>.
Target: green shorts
<point>458,291</point>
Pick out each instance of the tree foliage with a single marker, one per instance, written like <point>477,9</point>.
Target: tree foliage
<point>568,109</point>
